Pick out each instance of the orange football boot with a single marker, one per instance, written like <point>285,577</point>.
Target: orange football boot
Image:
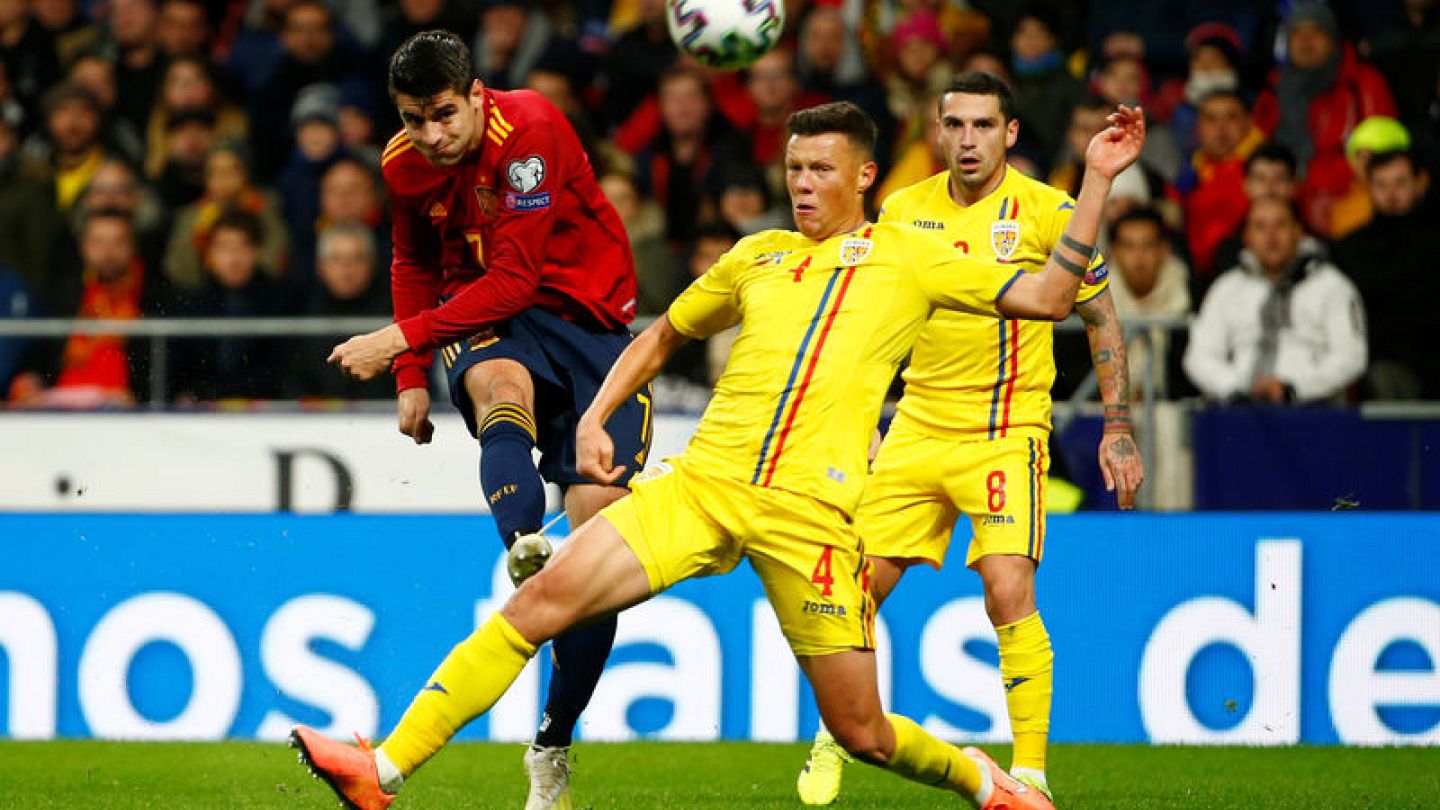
<point>348,770</point>
<point>1008,792</point>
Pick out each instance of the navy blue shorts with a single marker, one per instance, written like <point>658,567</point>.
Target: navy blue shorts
<point>567,363</point>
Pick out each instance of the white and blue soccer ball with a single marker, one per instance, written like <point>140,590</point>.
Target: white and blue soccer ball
<point>725,34</point>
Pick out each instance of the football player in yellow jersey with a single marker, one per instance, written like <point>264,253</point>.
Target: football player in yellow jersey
<point>971,433</point>
<point>775,468</point>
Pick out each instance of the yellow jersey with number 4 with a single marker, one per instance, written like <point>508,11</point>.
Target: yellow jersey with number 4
<point>823,327</point>
<point>977,377</point>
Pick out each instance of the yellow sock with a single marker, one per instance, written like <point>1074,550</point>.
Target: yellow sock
<point>465,685</point>
<point>1026,664</point>
<point>921,758</point>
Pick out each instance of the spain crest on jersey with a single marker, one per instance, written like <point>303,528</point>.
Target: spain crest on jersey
<point>854,251</point>
<point>1005,238</point>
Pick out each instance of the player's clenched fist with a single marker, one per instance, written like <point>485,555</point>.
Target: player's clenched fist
<point>595,453</point>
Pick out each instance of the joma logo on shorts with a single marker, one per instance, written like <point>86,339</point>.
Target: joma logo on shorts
<point>999,520</point>
<point>822,608</point>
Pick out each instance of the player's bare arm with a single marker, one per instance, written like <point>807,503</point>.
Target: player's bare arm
<point>641,361</point>
<point>367,356</point>
<point>1050,294</point>
<point>1120,463</point>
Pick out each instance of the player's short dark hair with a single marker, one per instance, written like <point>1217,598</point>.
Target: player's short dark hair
<point>243,221</point>
<point>841,117</point>
<point>430,62</point>
<point>1144,213</point>
<point>1273,152</point>
<point>1382,159</point>
<point>981,83</point>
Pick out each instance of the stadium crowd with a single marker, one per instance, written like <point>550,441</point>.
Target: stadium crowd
<point>218,158</point>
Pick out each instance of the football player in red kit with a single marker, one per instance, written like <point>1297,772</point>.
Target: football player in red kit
<point>510,261</point>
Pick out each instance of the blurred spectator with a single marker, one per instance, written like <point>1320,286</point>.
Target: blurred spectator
<point>921,159</point>
<point>657,279</point>
<point>693,148</point>
<point>27,213</point>
<point>772,92</point>
<point>1284,325</point>
<point>1215,179</point>
<point>189,136</point>
<point>712,243</point>
<point>1163,27</point>
<point>349,286</point>
<point>511,39</point>
<point>349,195</point>
<point>828,63</point>
<point>71,31</point>
<point>115,186</point>
<point>138,68</point>
<point>1372,136</point>
<point>1214,66</point>
<point>362,113</point>
<point>558,85</point>
<point>1123,80</point>
<point>636,62</point>
<point>227,186</point>
<point>743,202</point>
<point>1270,171</point>
<point>407,18</point>
<point>28,53</point>
<point>1130,189</point>
<point>920,75</point>
<point>93,371</point>
<point>182,29</point>
<point>316,122</point>
<point>72,135</point>
<point>255,49</point>
<point>1407,54</point>
<point>188,84</point>
<point>97,73</point>
<point>311,53</point>
<point>236,286</point>
<point>1146,279</point>
<point>1313,103</point>
<point>1393,261</point>
<point>1045,92</point>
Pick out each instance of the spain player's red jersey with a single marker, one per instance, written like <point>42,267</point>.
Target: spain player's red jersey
<point>520,223</point>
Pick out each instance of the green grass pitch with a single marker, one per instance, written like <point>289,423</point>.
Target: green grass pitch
<point>639,776</point>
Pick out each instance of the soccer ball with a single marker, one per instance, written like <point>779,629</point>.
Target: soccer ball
<point>725,34</point>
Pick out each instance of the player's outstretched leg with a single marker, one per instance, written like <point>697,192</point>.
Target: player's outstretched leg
<point>820,778</point>
<point>595,574</point>
<point>849,701</point>
<point>580,656</point>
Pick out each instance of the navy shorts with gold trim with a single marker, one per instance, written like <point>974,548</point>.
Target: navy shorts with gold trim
<point>567,362</point>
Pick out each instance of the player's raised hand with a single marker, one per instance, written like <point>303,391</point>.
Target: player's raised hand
<point>1118,145</point>
<point>595,453</point>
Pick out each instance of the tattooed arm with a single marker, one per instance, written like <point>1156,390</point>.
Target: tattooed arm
<point>1120,461</point>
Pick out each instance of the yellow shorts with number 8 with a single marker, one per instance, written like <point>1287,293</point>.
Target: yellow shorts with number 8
<point>921,484</point>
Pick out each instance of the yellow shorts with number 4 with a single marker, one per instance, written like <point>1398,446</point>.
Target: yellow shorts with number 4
<point>683,524</point>
<point>921,484</point>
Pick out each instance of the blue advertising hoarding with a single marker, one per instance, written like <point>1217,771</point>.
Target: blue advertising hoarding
<point>1233,628</point>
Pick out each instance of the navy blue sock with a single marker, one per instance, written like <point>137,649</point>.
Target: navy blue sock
<point>579,657</point>
<point>508,476</point>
